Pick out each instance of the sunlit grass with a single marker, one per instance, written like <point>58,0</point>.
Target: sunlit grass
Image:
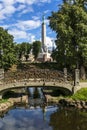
<point>80,95</point>
<point>3,100</point>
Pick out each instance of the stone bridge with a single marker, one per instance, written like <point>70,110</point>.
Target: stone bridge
<point>36,83</point>
<point>38,78</point>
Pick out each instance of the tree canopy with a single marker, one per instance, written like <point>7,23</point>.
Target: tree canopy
<point>7,51</point>
<point>36,48</point>
<point>70,25</point>
<point>23,48</point>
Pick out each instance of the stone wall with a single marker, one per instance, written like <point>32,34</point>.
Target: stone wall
<point>73,103</point>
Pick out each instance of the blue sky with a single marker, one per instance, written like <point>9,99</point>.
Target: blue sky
<point>23,18</point>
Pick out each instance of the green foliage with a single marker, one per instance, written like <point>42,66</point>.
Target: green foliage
<point>80,95</point>
<point>36,93</point>
<point>36,48</point>
<point>7,55</point>
<point>3,100</point>
<point>23,49</point>
<point>45,65</point>
<point>70,25</point>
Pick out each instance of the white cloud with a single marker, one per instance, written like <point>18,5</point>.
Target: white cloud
<point>18,34</point>
<point>35,17</point>
<point>2,16</point>
<point>7,7</point>
<point>48,1</point>
<point>1,6</point>
<point>21,29</point>
<point>21,7</point>
<point>32,38</point>
<point>22,35</point>
<point>29,2</point>
<point>7,2</point>
<point>28,25</point>
<point>49,41</point>
<point>29,9</point>
<point>7,11</point>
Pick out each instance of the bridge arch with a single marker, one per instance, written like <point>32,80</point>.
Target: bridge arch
<point>58,90</point>
<point>63,90</point>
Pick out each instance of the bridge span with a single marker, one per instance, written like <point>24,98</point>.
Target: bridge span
<point>37,78</point>
<point>36,83</point>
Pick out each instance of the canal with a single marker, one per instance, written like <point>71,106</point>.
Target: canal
<point>38,115</point>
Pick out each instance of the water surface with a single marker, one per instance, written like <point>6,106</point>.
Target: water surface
<point>50,118</point>
<point>38,115</point>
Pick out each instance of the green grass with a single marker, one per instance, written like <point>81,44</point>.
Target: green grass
<point>80,95</point>
<point>3,100</point>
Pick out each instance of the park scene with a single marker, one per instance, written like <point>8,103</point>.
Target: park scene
<point>43,65</point>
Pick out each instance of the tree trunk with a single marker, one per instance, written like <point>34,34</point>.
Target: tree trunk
<point>82,73</point>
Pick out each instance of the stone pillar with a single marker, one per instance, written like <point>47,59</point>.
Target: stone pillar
<point>0,96</point>
<point>1,74</point>
<point>65,74</point>
<point>76,77</point>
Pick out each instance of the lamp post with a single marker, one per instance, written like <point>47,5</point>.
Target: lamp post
<point>65,69</point>
<point>1,70</point>
<point>77,49</point>
<point>65,57</point>
<point>76,79</point>
<point>1,53</point>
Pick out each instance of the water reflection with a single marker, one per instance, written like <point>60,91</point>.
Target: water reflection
<point>69,119</point>
<point>25,119</point>
<point>41,116</point>
<point>50,118</point>
<point>35,97</point>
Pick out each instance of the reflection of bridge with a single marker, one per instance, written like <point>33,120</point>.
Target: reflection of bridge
<point>37,78</point>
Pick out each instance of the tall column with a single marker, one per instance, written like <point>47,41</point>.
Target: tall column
<point>43,34</point>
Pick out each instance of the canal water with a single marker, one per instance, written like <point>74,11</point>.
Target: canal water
<point>43,116</point>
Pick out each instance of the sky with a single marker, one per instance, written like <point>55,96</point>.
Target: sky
<point>23,19</point>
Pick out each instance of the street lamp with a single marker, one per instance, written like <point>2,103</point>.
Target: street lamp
<point>65,57</point>
<point>77,49</point>
<point>1,53</point>
<point>76,80</point>
<point>1,69</point>
<point>65,69</point>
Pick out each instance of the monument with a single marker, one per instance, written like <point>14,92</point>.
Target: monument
<point>44,55</point>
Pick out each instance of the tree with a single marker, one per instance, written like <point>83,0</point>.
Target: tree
<point>36,93</point>
<point>70,25</point>
<point>23,48</point>
<point>36,48</point>
<point>7,51</point>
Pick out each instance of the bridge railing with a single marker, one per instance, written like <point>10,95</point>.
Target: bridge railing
<point>36,75</point>
<point>25,82</point>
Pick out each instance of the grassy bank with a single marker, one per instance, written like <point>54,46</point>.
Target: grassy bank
<point>80,95</point>
<point>3,100</point>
